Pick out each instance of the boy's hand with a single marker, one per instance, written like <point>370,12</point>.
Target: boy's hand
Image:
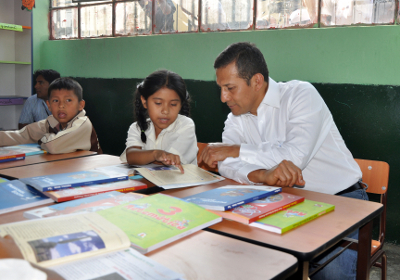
<point>168,159</point>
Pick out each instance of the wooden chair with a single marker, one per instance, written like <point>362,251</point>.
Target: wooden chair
<point>201,147</point>
<point>376,176</point>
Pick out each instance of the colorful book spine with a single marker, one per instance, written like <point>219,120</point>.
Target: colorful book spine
<point>12,158</point>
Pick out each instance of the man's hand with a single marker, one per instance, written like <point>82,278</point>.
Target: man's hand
<point>215,152</point>
<point>168,159</point>
<point>285,174</point>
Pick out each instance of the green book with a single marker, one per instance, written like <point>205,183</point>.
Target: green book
<point>157,220</point>
<point>294,216</point>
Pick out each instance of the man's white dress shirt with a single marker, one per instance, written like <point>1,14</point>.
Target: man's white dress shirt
<point>179,138</point>
<point>292,123</point>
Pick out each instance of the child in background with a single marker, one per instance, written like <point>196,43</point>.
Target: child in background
<point>66,130</point>
<point>163,132</point>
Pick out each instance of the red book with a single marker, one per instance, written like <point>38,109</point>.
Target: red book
<point>251,212</point>
<point>9,155</point>
<point>86,191</point>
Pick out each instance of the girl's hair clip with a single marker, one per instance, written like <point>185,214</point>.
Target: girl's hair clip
<point>187,95</point>
<point>140,84</point>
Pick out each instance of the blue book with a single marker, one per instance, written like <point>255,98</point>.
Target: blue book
<point>12,159</point>
<point>15,195</point>
<point>228,197</point>
<point>73,179</point>
<point>27,149</point>
<point>2,180</point>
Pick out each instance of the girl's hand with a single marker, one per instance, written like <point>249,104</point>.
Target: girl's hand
<point>168,159</point>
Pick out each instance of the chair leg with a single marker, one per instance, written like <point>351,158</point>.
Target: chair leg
<point>384,266</point>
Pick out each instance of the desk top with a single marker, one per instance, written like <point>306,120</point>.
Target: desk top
<point>309,240</point>
<point>205,255</point>
<point>61,166</point>
<point>44,158</point>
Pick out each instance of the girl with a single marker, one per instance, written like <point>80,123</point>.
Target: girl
<point>163,132</point>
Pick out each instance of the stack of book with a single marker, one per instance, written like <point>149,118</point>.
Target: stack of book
<point>261,206</point>
<point>19,152</point>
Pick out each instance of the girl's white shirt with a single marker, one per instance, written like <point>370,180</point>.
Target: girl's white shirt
<point>179,138</point>
<point>12,269</point>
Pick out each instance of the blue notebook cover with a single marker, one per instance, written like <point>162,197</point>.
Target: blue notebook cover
<point>11,159</point>
<point>28,149</point>
<point>15,195</point>
<point>73,179</point>
<point>228,197</point>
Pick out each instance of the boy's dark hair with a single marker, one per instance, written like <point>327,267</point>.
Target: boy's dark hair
<point>48,74</point>
<point>152,83</point>
<point>248,58</point>
<point>68,84</point>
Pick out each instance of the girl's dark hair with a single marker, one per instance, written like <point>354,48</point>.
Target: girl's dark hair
<point>152,83</point>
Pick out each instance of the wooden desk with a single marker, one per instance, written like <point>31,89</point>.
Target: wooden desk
<point>311,239</point>
<point>205,255</point>
<point>61,166</point>
<point>44,158</point>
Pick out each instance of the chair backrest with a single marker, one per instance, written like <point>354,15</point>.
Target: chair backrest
<point>201,147</point>
<point>376,175</point>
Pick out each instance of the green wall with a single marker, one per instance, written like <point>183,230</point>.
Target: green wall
<point>354,69</point>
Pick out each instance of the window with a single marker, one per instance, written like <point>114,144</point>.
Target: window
<point>108,18</point>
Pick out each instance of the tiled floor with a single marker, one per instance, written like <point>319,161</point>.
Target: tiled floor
<point>393,263</point>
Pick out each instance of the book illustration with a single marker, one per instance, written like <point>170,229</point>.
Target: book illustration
<point>228,197</point>
<point>28,149</point>
<point>72,193</point>
<point>15,195</point>
<point>65,180</point>
<point>169,177</point>
<point>60,246</point>
<point>294,216</point>
<point>157,220</point>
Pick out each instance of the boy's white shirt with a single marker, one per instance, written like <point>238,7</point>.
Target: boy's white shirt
<point>179,138</point>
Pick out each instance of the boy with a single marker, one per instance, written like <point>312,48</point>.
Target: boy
<point>66,130</point>
<point>35,108</point>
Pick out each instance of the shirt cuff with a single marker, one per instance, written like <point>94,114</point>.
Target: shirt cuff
<point>245,171</point>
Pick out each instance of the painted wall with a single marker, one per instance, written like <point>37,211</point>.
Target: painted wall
<point>355,69</point>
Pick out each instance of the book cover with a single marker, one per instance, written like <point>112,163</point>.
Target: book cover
<point>253,211</point>
<point>88,204</point>
<point>157,220</point>
<point>15,195</point>
<point>62,239</point>
<point>170,177</point>
<point>2,180</point>
<point>86,191</point>
<point>27,149</point>
<point>231,196</point>
<point>9,155</point>
<point>294,216</point>
<point>73,179</point>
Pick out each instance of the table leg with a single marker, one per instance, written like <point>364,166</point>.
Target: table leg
<point>364,251</point>
<point>302,271</point>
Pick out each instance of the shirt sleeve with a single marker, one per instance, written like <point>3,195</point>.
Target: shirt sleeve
<point>184,143</point>
<point>308,123</point>
<point>28,134</point>
<point>77,137</point>
<point>134,139</point>
<point>26,114</point>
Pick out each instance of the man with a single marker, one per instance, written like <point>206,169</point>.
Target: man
<point>164,14</point>
<point>35,108</point>
<point>272,125</point>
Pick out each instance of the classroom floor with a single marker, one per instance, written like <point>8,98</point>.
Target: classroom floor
<point>393,263</point>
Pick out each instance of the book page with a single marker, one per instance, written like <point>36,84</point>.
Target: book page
<point>128,264</point>
<point>165,175</point>
<point>61,239</point>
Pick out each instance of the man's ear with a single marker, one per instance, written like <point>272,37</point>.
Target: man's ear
<point>144,102</point>
<point>81,104</point>
<point>257,81</point>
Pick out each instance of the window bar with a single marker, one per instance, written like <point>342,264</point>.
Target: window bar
<point>254,14</point>
<point>199,17</point>
<point>319,13</point>
<point>79,21</point>
<point>153,14</point>
<point>113,21</point>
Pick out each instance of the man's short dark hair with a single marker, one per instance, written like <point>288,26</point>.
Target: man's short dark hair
<point>248,58</point>
<point>48,74</point>
<point>68,84</point>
